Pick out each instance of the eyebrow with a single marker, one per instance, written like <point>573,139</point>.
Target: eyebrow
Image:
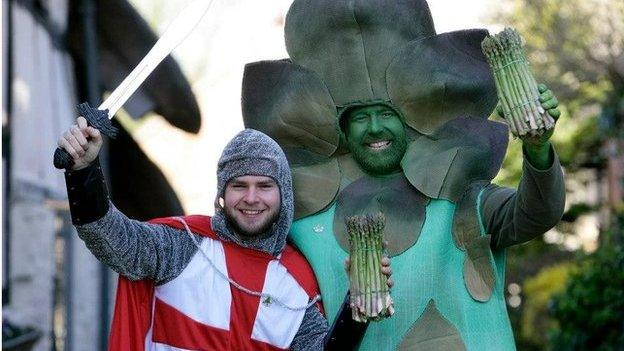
<point>264,182</point>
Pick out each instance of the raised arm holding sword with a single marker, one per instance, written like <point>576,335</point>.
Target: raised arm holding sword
<point>196,282</point>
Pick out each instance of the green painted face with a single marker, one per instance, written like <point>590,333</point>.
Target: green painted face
<point>376,137</point>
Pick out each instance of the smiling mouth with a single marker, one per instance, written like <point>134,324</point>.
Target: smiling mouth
<point>379,145</point>
<point>251,212</point>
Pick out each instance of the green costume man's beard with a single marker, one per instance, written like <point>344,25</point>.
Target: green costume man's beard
<point>380,162</point>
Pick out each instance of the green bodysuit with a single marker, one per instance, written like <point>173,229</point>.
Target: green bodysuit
<point>447,226</point>
<point>434,309</point>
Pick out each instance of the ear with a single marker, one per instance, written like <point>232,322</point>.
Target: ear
<point>219,203</point>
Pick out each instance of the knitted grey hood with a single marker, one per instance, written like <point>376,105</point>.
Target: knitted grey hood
<point>251,152</point>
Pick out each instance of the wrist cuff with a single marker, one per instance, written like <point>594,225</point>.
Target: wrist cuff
<point>345,333</point>
<point>530,166</point>
<point>87,194</point>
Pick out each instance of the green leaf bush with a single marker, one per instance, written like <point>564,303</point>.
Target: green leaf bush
<point>590,312</point>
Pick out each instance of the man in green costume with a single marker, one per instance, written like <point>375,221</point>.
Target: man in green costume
<point>377,112</point>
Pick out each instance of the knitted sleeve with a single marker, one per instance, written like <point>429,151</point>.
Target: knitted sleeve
<point>513,217</point>
<point>138,250</point>
<point>312,330</point>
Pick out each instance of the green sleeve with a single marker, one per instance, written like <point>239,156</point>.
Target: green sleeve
<point>516,216</point>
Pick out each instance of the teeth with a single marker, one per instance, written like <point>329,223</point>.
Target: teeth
<point>251,212</point>
<point>379,144</point>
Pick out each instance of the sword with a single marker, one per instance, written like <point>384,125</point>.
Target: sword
<point>100,117</point>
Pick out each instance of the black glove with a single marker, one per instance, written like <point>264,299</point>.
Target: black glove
<point>87,193</point>
<point>345,333</point>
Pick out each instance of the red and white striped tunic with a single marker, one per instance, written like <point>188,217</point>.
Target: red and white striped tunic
<point>200,310</point>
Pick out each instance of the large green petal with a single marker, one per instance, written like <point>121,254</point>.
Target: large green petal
<point>427,171</point>
<point>315,187</point>
<point>478,271</point>
<point>466,219</point>
<point>291,105</point>
<point>436,79</point>
<point>403,206</point>
<point>479,275</point>
<point>349,169</point>
<point>432,332</point>
<point>461,152</point>
<point>350,43</point>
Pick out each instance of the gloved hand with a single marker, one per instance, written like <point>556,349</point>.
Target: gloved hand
<point>537,147</point>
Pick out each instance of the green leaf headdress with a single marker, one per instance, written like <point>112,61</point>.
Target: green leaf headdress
<point>346,53</point>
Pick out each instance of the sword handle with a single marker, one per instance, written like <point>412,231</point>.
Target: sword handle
<point>98,119</point>
<point>62,159</point>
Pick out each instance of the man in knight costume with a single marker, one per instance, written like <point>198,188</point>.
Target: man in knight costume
<point>377,112</point>
<point>230,282</point>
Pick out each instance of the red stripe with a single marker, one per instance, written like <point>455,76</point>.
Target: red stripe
<point>132,316</point>
<point>173,328</point>
<point>197,223</point>
<point>249,270</point>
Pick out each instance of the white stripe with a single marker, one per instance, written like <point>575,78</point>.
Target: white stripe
<point>199,292</point>
<point>276,324</point>
<point>149,345</point>
<point>163,347</point>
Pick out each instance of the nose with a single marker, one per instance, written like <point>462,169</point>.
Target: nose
<point>251,195</point>
<point>373,125</point>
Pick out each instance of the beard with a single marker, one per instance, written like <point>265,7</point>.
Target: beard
<point>245,232</point>
<point>379,162</point>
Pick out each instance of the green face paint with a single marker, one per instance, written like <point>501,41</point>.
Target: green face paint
<point>376,137</point>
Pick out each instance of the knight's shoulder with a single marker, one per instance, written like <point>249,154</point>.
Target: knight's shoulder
<point>198,224</point>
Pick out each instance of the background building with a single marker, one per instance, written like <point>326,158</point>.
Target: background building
<point>55,54</point>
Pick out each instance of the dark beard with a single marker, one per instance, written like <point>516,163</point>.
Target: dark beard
<point>263,232</point>
<point>379,163</point>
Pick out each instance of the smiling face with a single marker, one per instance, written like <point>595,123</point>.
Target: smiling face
<point>376,137</point>
<point>252,205</point>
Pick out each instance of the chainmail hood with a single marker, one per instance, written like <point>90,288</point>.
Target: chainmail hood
<point>251,152</point>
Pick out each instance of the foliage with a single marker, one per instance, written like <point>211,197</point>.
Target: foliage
<point>576,47</point>
<point>538,291</point>
<point>573,47</point>
<point>571,43</point>
<point>590,312</point>
<point>524,262</point>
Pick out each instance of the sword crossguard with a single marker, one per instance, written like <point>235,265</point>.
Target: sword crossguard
<point>97,119</point>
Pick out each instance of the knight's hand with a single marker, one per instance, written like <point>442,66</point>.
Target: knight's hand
<point>82,142</point>
<point>387,270</point>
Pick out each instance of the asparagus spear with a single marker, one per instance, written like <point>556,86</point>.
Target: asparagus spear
<point>369,290</point>
<point>353,273</point>
<point>519,101</point>
<point>507,99</point>
<point>516,86</point>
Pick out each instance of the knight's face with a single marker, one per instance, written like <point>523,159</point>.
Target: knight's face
<point>376,137</point>
<point>252,204</point>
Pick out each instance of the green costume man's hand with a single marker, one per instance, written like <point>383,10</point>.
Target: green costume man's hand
<point>537,148</point>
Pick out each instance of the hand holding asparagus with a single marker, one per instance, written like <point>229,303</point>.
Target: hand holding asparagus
<point>517,89</point>
<point>369,286</point>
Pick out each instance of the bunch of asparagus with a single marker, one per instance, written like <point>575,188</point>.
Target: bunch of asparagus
<point>516,86</point>
<point>370,296</point>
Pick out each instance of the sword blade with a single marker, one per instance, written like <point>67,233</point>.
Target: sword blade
<point>177,31</point>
